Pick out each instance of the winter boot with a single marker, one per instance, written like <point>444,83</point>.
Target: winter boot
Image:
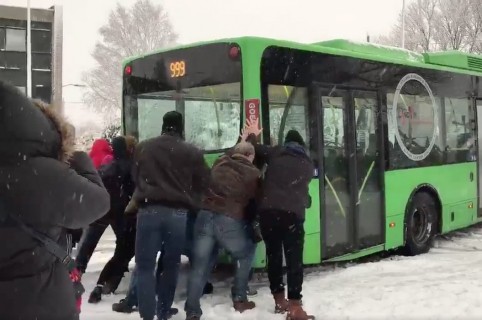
<point>193,318</point>
<point>122,307</point>
<point>242,306</point>
<point>96,295</point>
<point>296,312</point>
<point>280,302</point>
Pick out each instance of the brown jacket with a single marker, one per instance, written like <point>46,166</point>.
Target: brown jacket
<point>234,180</point>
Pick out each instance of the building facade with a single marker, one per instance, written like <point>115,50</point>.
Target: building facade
<point>46,51</point>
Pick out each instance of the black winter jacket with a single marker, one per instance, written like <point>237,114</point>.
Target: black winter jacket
<point>40,186</point>
<point>117,179</point>
<point>288,174</point>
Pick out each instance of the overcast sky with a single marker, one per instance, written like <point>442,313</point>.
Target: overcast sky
<point>195,20</point>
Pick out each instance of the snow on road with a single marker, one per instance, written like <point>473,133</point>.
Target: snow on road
<point>443,284</point>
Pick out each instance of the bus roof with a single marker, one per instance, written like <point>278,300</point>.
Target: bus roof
<point>454,61</point>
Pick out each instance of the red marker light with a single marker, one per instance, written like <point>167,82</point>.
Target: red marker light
<point>128,70</point>
<point>234,52</point>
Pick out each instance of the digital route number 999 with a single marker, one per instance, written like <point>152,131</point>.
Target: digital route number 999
<point>178,69</point>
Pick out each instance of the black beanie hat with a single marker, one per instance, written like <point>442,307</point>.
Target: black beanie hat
<point>172,122</point>
<point>294,136</point>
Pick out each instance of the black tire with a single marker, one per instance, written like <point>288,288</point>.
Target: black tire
<point>420,224</point>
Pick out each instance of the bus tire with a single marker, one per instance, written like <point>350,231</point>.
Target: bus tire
<point>420,224</point>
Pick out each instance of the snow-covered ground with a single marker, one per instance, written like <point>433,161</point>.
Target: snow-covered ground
<point>443,284</point>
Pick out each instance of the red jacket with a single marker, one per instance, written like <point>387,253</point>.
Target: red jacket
<point>101,152</point>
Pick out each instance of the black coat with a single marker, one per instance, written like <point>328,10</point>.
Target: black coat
<point>287,178</point>
<point>49,193</point>
<point>117,180</point>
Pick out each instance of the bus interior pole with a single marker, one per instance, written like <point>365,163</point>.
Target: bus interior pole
<point>29,52</point>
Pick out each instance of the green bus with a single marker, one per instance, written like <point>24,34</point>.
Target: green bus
<point>392,133</point>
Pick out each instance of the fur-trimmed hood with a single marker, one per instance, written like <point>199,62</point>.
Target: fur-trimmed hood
<point>65,129</point>
<point>31,129</point>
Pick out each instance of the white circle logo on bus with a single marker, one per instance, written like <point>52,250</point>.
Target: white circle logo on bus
<point>408,153</point>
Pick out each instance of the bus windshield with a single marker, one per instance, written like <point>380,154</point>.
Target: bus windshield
<point>203,83</point>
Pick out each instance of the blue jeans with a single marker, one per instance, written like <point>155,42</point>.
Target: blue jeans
<point>213,230</point>
<point>131,296</point>
<point>158,227</point>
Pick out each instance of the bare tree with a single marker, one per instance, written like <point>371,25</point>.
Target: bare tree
<point>433,25</point>
<point>129,31</point>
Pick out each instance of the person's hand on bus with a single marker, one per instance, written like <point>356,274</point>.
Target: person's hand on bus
<point>252,127</point>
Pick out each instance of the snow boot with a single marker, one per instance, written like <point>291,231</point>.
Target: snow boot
<point>281,304</point>
<point>122,307</point>
<point>242,306</point>
<point>96,295</point>
<point>296,312</point>
<point>193,318</point>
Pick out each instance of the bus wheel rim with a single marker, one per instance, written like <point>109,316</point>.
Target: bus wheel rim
<point>420,229</point>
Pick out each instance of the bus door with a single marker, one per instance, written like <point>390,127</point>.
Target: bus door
<point>479,155</point>
<point>352,215</point>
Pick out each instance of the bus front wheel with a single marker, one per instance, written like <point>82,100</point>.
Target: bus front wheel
<point>420,224</point>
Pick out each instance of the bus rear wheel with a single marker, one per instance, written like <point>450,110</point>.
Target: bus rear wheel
<point>420,224</point>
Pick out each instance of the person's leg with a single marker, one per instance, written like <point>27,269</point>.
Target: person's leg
<point>159,269</point>
<point>123,254</point>
<point>232,236</point>
<point>92,236</point>
<point>148,243</point>
<point>174,235</point>
<point>273,238</point>
<point>274,250</point>
<point>202,252</point>
<point>293,242</point>
<point>127,304</point>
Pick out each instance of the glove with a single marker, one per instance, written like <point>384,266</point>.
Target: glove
<point>79,289</point>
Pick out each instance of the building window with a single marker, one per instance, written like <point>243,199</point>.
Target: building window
<point>13,60</point>
<point>16,40</point>
<point>23,90</point>
<point>2,39</point>
<point>41,41</point>
<point>41,61</point>
<point>15,77</point>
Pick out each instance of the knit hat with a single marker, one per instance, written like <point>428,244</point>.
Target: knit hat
<point>172,122</point>
<point>294,136</point>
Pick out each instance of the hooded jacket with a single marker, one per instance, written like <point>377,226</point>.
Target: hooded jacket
<point>101,152</point>
<point>117,178</point>
<point>50,188</point>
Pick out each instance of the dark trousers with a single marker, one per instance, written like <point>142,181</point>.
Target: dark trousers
<point>113,271</point>
<point>92,236</point>
<point>158,228</point>
<point>284,230</point>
